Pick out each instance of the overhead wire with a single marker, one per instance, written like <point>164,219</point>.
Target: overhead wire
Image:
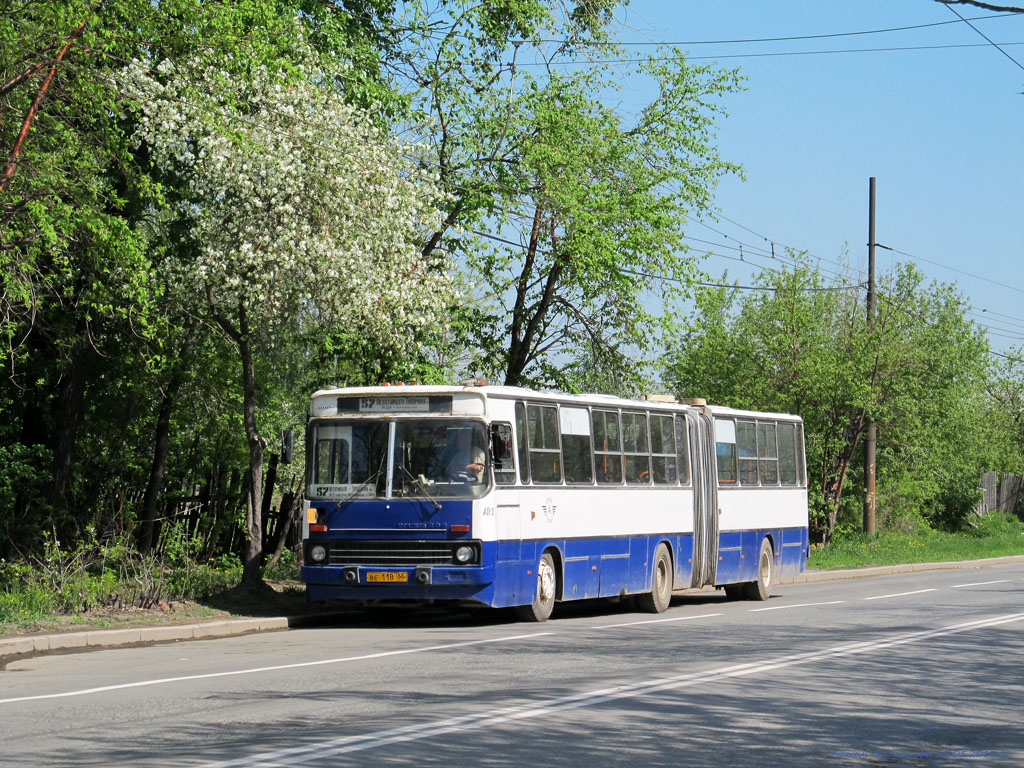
<point>790,38</point>
<point>668,278</point>
<point>952,269</point>
<point>989,39</point>
<point>773,54</point>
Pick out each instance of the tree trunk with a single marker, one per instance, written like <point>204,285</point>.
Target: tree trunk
<point>268,498</point>
<point>156,471</point>
<point>70,407</point>
<point>252,569</point>
<point>290,505</point>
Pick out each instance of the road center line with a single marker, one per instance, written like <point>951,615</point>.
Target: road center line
<point>254,670</point>
<point>798,605</point>
<point>495,717</point>
<point>655,621</point>
<point>979,583</point>
<point>901,594</point>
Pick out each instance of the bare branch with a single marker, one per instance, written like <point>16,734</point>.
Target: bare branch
<point>986,6</point>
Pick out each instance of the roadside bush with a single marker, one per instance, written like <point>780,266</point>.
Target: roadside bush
<point>995,524</point>
<point>285,569</point>
<point>95,575</point>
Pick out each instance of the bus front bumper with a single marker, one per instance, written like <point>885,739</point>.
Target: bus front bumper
<point>376,582</point>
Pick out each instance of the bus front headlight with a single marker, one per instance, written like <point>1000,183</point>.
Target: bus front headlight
<point>464,554</point>
<point>318,553</point>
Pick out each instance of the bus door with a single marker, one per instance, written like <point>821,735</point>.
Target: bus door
<point>705,499</point>
<point>507,510</point>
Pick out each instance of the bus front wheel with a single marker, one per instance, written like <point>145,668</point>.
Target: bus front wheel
<point>544,601</point>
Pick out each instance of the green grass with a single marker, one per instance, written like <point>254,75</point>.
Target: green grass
<point>995,535</point>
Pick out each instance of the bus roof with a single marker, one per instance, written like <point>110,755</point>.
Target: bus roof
<point>486,391</point>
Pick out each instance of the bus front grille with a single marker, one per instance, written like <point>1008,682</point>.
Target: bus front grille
<point>407,553</point>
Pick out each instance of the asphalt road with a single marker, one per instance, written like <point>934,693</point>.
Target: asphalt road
<point>916,669</point>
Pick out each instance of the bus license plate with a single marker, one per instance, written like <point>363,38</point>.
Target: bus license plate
<point>387,576</point>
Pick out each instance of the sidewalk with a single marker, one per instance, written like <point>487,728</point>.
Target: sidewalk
<point>24,647</point>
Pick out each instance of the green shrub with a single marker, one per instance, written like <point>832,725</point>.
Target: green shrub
<point>285,569</point>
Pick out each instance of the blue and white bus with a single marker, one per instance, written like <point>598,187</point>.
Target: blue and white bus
<point>503,496</point>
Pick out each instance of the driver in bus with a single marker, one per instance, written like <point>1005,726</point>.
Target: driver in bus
<point>465,458</point>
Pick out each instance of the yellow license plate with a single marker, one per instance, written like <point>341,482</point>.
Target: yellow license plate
<point>387,576</point>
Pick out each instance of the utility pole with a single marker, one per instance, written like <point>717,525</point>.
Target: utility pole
<point>869,442</point>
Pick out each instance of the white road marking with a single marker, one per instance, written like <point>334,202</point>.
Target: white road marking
<point>979,583</point>
<point>798,605</point>
<point>254,670</point>
<point>494,717</point>
<point>656,621</point>
<point>901,594</point>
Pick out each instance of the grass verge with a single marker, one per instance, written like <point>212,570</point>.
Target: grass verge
<point>995,535</point>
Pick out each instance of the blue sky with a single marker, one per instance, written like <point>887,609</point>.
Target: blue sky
<point>942,130</point>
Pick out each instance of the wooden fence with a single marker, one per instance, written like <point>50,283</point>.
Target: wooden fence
<point>1002,493</point>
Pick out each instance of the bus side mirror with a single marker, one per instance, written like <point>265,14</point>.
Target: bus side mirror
<point>287,446</point>
<point>501,443</point>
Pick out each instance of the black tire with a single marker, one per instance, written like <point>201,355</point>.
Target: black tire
<point>657,600</point>
<point>547,588</point>
<point>760,589</point>
<point>734,592</point>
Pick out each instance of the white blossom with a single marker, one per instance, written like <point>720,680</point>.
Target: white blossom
<point>295,200</point>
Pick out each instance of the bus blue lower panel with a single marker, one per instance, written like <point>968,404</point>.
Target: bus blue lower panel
<point>739,553</point>
<point>588,567</point>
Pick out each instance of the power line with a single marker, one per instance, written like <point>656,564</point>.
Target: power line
<point>762,55</point>
<point>681,281</point>
<point>1007,357</point>
<point>773,242</point>
<point>968,23</point>
<point>789,38</point>
<point>952,269</point>
<point>1000,314</point>
<point>988,321</point>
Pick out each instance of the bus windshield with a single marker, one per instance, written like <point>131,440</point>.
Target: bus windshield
<point>433,458</point>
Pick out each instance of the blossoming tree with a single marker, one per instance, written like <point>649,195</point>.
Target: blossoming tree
<point>296,209</point>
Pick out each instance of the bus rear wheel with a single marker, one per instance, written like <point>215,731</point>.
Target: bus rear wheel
<point>762,587</point>
<point>657,600</point>
<point>544,601</point>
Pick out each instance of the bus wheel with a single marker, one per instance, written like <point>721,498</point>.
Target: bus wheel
<point>760,589</point>
<point>544,603</point>
<point>657,600</point>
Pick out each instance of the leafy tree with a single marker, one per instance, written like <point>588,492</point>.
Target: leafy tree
<point>802,345</point>
<point>565,214</point>
<point>297,207</point>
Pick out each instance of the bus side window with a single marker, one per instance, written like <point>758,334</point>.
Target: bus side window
<point>634,448</point>
<point>522,456</point>
<point>545,455</point>
<point>767,453</point>
<point>607,448</point>
<point>801,474</point>
<point>576,453</point>
<point>501,451</point>
<point>725,451</point>
<point>683,450</point>
<point>746,447</point>
<point>663,450</point>
<point>787,454</point>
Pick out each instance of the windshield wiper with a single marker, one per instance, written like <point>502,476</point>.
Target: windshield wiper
<point>421,482</point>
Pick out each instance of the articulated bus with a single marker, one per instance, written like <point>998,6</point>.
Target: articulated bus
<point>501,496</point>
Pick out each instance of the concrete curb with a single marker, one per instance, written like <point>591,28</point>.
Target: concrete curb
<point>24,647</point>
<point>810,577</point>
